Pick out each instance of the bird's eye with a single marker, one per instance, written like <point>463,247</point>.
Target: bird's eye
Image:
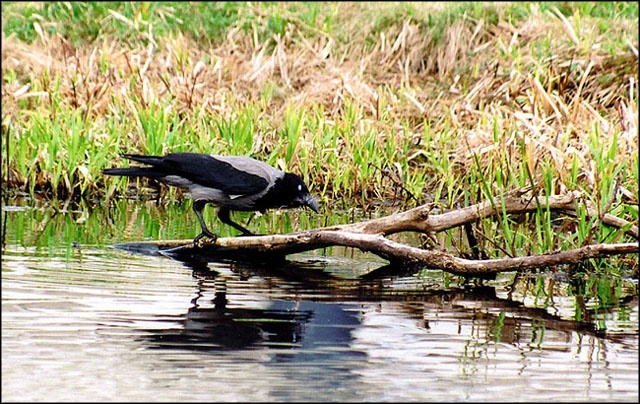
<point>299,187</point>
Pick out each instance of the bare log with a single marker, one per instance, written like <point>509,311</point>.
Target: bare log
<point>370,236</point>
<point>419,219</point>
<point>273,246</point>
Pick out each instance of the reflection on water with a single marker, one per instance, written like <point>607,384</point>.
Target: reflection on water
<point>219,327</point>
<point>88,322</point>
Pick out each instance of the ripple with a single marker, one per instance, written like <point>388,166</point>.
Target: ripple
<point>104,325</point>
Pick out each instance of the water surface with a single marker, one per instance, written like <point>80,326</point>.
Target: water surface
<point>83,321</point>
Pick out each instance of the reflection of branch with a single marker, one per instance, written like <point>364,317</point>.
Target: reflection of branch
<point>470,300</point>
<point>369,236</point>
<point>302,277</point>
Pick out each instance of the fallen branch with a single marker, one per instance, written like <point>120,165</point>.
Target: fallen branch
<point>370,236</point>
<point>419,219</point>
<point>270,247</point>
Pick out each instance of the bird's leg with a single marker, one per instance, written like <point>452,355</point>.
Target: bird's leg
<point>197,207</point>
<point>223,215</point>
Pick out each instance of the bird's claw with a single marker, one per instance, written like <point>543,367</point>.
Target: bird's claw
<point>205,233</point>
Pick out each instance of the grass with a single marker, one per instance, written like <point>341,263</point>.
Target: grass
<point>371,103</point>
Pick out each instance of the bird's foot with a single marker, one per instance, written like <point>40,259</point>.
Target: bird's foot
<point>205,233</point>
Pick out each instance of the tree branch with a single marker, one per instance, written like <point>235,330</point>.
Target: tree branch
<point>370,236</point>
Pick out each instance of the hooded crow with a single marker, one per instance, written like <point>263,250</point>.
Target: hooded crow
<point>236,183</point>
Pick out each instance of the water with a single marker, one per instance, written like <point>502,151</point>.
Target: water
<point>83,321</point>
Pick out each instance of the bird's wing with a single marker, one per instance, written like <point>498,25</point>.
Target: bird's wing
<point>220,173</point>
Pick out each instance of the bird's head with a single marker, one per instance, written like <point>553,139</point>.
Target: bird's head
<point>299,193</point>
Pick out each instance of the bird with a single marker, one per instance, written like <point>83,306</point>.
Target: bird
<point>232,183</point>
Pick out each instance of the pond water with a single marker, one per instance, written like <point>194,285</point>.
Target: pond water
<point>84,321</point>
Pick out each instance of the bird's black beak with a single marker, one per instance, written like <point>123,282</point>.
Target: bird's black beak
<point>310,202</point>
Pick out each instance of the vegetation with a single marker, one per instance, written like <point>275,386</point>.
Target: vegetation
<point>371,102</point>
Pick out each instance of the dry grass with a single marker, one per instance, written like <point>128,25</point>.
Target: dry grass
<point>474,79</point>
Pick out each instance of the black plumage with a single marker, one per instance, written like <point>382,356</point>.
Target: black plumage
<point>235,183</point>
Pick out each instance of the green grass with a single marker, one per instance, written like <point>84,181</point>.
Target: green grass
<point>127,21</point>
<point>209,21</point>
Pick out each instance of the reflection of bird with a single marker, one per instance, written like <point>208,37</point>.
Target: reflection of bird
<point>222,327</point>
<point>231,182</point>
